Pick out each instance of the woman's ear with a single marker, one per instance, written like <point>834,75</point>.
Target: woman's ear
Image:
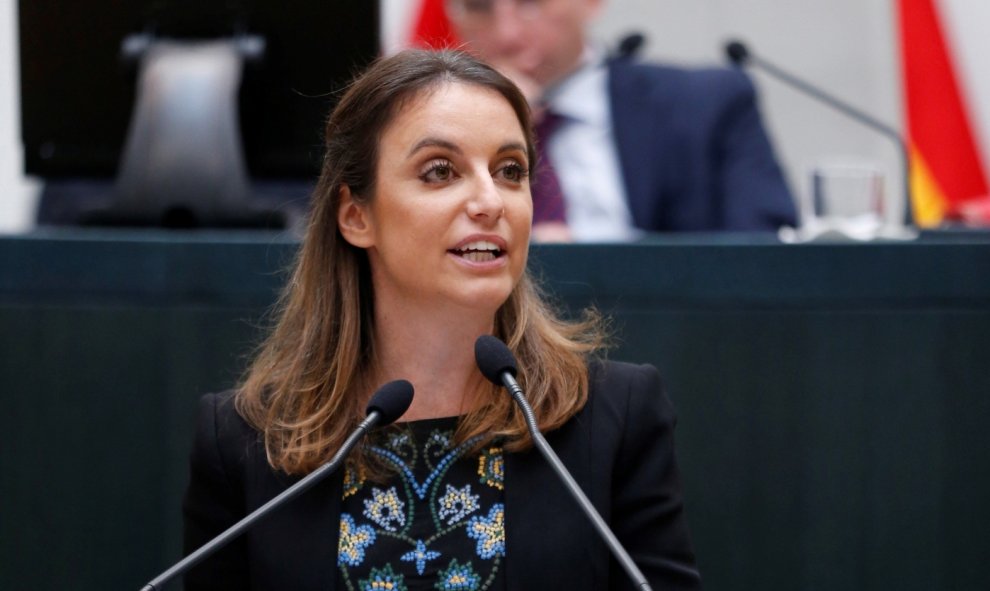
<point>354,220</point>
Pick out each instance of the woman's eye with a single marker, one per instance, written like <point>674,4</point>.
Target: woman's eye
<point>437,172</point>
<point>514,172</point>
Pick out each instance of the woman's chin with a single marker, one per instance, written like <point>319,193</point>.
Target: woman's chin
<point>485,300</point>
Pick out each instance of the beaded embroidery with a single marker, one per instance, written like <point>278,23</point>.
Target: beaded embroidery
<point>353,541</point>
<point>490,467</point>
<point>385,509</point>
<point>428,527</point>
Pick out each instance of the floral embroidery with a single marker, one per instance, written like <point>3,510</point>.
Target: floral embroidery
<point>491,467</point>
<point>399,442</point>
<point>353,481</point>
<point>490,532</point>
<point>420,555</point>
<point>418,525</point>
<point>385,509</point>
<point>439,438</point>
<point>423,488</point>
<point>383,579</point>
<point>353,541</point>
<point>458,577</point>
<point>457,503</point>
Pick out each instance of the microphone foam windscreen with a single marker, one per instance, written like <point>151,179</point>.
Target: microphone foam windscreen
<point>391,400</point>
<point>737,52</point>
<point>493,357</point>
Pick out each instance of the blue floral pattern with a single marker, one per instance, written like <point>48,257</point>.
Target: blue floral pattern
<point>353,541</point>
<point>457,503</point>
<point>385,509</point>
<point>458,577</point>
<point>489,532</point>
<point>420,555</point>
<point>424,526</point>
<point>383,579</point>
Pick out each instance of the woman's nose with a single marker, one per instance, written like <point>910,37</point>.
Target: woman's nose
<point>486,202</point>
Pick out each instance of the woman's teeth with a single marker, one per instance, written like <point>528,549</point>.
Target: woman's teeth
<point>479,257</point>
<point>480,251</point>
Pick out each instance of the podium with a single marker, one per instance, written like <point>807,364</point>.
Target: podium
<point>833,398</point>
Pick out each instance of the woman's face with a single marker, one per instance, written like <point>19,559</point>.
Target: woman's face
<point>450,219</point>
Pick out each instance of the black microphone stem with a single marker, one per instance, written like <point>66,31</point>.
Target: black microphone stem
<point>262,511</point>
<point>853,112</point>
<point>603,529</point>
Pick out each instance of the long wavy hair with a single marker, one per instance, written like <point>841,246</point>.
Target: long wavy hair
<point>306,387</point>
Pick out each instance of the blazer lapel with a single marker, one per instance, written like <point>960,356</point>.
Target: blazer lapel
<point>549,542</point>
<point>296,546</point>
<point>320,537</point>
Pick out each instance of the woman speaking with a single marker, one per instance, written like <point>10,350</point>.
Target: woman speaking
<point>416,246</point>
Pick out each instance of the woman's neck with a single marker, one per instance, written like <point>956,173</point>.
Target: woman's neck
<point>434,351</point>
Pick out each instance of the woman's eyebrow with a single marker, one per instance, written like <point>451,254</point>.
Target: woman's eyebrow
<point>512,146</point>
<point>433,142</point>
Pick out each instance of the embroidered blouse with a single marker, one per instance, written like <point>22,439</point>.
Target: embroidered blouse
<point>438,522</point>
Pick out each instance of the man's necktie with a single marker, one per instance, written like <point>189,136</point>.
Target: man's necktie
<point>548,199</point>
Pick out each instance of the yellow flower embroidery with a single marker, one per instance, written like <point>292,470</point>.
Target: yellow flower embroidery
<point>491,467</point>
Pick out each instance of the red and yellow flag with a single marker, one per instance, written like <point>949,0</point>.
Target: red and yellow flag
<point>948,175</point>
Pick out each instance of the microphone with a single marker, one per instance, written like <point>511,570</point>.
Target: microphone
<point>498,364</point>
<point>386,406</point>
<point>739,55</point>
<point>629,46</point>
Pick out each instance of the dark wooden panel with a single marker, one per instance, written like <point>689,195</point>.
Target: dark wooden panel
<point>833,398</point>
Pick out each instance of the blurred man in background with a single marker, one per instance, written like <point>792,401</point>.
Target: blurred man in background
<point>631,148</point>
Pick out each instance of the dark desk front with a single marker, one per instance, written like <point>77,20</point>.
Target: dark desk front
<point>833,399</point>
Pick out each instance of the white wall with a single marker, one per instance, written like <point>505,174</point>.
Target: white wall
<point>847,46</point>
<point>17,195</point>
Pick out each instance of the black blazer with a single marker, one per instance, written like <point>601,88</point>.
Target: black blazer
<point>693,150</point>
<point>620,449</point>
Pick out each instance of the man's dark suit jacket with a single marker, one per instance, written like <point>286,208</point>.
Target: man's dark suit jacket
<point>620,449</point>
<point>693,152</point>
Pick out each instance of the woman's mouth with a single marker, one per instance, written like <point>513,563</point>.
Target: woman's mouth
<point>480,251</point>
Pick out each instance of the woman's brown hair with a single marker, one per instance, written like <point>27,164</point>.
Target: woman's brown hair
<point>307,385</point>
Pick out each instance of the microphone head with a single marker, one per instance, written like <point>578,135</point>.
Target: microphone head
<point>494,358</point>
<point>630,45</point>
<point>737,52</point>
<point>391,401</point>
